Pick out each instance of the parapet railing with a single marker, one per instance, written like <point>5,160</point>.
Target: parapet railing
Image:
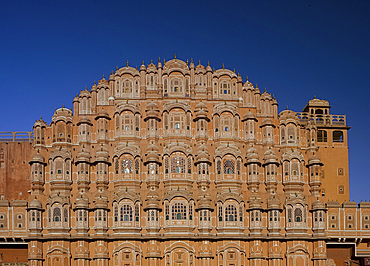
<point>13,136</point>
<point>322,119</point>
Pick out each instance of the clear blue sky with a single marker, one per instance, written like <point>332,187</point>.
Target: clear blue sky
<point>50,50</point>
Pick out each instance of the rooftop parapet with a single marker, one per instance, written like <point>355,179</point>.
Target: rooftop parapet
<point>15,136</point>
<point>322,120</point>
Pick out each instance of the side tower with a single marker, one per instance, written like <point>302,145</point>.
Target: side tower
<point>330,138</point>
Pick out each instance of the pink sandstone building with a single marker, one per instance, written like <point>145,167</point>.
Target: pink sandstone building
<point>180,164</point>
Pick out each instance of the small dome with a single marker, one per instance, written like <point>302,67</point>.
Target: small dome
<point>152,157</point>
<point>37,158</point>
<point>102,114</point>
<point>82,202</point>
<point>273,203</point>
<point>102,154</point>
<point>142,67</point>
<point>318,205</point>
<point>35,204</point>
<point>84,120</point>
<point>208,68</point>
<point>267,122</point>
<point>270,157</point>
<point>255,201</point>
<point>249,116</point>
<point>83,155</point>
<point>314,159</point>
<point>252,156</point>
<point>201,111</point>
<point>40,123</point>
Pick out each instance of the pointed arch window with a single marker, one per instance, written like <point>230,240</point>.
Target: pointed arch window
<point>57,214</point>
<point>298,215</point>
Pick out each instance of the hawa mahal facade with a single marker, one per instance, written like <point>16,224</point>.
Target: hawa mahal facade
<point>180,164</point>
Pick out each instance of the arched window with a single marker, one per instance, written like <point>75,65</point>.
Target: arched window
<point>126,166</point>
<point>57,214</point>
<point>178,211</point>
<point>230,213</point>
<point>126,213</point>
<point>229,167</point>
<point>298,215</point>
<point>126,87</point>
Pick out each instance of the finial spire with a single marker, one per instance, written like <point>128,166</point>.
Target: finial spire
<point>117,68</point>
<point>159,59</point>
<point>143,63</point>
<point>127,63</point>
<point>103,76</point>
<point>223,66</point>
<point>151,61</point>
<point>191,60</point>
<point>247,78</point>
<point>175,56</point>
<point>208,63</point>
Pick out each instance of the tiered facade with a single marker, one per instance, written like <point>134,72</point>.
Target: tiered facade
<point>177,164</point>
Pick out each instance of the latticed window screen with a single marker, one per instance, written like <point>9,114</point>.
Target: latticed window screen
<point>178,165</point>
<point>137,166</point>
<point>126,166</point>
<point>230,213</point>
<point>116,214</point>
<point>238,167</point>
<point>189,165</point>
<point>126,213</point>
<point>136,213</point>
<point>298,215</point>
<point>65,214</point>
<point>220,213</point>
<point>218,167</point>
<point>167,212</point>
<point>116,166</point>
<point>166,165</point>
<point>289,215</point>
<point>178,211</point>
<point>228,167</point>
<point>190,211</point>
<point>57,214</point>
